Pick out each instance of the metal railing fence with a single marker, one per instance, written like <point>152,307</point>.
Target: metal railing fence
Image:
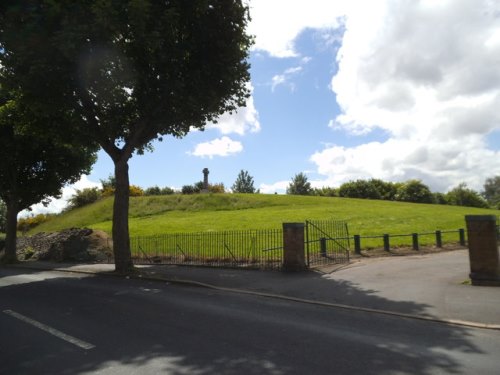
<point>262,249</point>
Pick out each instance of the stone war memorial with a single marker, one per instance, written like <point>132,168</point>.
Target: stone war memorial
<point>205,180</point>
<point>484,256</point>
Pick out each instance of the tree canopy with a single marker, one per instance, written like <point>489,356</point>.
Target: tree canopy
<point>243,183</point>
<point>34,166</point>
<point>492,191</point>
<point>129,72</point>
<point>299,185</point>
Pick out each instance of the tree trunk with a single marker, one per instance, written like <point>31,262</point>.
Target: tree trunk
<point>11,233</point>
<point>121,239</point>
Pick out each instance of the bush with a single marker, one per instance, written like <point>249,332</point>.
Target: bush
<point>154,190</point>
<point>359,189</point>
<point>188,189</point>
<point>27,223</point>
<point>325,192</point>
<point>414,191</point>
<point>463,196</point>
<point>216,188</point>
<point>167,191</point>
<point>83,197</point>
<point>135,191</point>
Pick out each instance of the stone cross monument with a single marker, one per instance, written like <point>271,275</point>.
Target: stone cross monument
<point>205,180</point>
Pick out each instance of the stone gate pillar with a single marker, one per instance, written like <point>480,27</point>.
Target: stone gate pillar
<point>293,247</point>
<point>483,250</point>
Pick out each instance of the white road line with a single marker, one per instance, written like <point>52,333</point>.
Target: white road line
<point>52,331</point>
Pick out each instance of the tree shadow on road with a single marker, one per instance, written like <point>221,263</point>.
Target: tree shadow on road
<point>153,327</point>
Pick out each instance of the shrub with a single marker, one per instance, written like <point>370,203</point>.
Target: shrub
<point>325,192</point>
<point>463,196</point>
<point>135,191</point>
<point>359,189</point>
<point>27,223</point>
<point>188,189</point>
<point>154,190</point>
<point>167,191</point>
<point>83,197</point>
<point>216,188</point>
<point>414,191</point>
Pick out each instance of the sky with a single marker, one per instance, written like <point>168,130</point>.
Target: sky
<point>346,90</point>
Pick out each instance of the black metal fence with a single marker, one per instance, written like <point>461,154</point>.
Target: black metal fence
<point>327,241</point>
<point>436,238</point>
<point>260,249</point>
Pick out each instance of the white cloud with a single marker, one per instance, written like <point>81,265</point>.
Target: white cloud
<point>243,121</point>
<point>57,205</point>
<point>281,79</point>
<point>276,23</point>
<point>427,74</point>
<point>224,146</point>
<point>277,187</point>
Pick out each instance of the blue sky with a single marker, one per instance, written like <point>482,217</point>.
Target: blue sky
<point>346,90</point>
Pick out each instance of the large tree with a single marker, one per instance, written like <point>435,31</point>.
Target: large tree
<point>34,165</point>
<point>133,71</point>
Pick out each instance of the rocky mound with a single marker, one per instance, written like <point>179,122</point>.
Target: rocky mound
<point>71,245</point>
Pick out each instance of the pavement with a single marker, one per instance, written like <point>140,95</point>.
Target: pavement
<point>433,287</point>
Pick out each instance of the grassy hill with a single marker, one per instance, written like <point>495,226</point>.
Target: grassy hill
<point>154,215</point>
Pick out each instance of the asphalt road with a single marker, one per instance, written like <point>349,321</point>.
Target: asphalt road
<point>55,323</point>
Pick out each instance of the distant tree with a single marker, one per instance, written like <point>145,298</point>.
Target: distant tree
<point>109,183</point>
<point>188,189</point>
<point>387,190</point>
<point>167,191</point>
<point>440,198</point>
<point>325,191</point>
<point>299,185</point>
<point>34,165</point>
<point>153,190</point>
<point>243,183</point>
<point>414,191</point>
<point>84,197</point>
<point>463,196</point>
<point>359,189</point>
<point>492,191</point>
<point>129,72</point>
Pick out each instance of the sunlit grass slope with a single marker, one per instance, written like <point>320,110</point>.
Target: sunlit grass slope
<point>218,212</point>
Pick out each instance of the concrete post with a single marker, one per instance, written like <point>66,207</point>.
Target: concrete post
<point>483,250</point>
<point>293,247</point>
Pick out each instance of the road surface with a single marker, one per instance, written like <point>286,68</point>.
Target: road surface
<point>60,323</point>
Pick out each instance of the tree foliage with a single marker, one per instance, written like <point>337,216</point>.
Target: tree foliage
<point>463,196</point>
<point>414,191</point>
<point>129,72</point>
<point>84,197</point>
<point>34,165</point>
<point>492,191</point>
<point>359,189</point>
<point>243,183</point>
<point>299,185</point>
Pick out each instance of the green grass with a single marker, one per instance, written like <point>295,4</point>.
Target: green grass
<point>154,215</point>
